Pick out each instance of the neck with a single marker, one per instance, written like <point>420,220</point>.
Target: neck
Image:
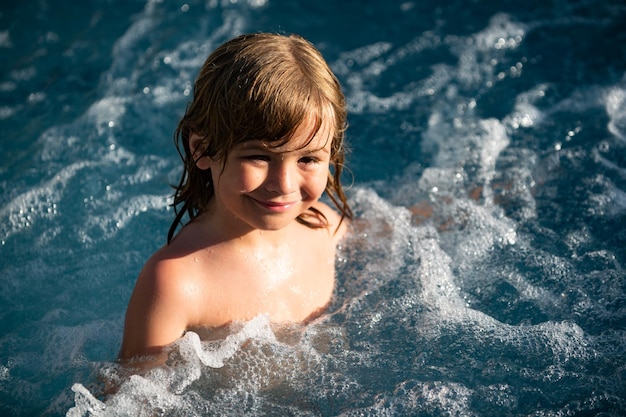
<point>230,228</point>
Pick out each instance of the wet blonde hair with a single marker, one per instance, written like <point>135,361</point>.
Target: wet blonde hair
<point>258,87</point>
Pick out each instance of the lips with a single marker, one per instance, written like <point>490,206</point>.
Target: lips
<point>275,206</point>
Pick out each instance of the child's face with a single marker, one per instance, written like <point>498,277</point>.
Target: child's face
<point>266,188</point>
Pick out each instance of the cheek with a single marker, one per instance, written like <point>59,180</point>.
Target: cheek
<point>247,179</point>
<point>317,183</point>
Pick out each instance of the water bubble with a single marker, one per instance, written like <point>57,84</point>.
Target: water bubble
<point>603,146</point>
<point>406,6</point>
<point>5,39</point>
<point>6,112</point>
<point>36,97</point>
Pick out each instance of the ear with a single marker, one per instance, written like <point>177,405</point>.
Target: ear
<point>197,146</point>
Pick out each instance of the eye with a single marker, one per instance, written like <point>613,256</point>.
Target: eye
<point>257,158</point>
<point>308,160</point>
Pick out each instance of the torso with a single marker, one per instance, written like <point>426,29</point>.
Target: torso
<point>290,279</point>
<point>206,280</point>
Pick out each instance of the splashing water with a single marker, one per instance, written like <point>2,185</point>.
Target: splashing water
<point>483,274</point>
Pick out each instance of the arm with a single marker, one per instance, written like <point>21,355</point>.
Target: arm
<point>157,313</point>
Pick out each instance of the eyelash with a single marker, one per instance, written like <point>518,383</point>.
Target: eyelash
<point>308,160</point>
<point>257,158</point>
<point>305,160</point>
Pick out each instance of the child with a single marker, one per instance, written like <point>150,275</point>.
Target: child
<point>265,126</point>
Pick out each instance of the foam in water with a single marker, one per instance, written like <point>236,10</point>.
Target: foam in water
<point>403,280</point>
<point>468,285</point>
<point>38,203</point>
<point>616,110</point>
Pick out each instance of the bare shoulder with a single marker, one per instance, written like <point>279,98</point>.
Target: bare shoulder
<point>166,273</point>
<point>162,306</point>
<point>173,278</point>
<point>336,226</point>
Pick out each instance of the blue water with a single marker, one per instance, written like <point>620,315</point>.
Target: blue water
<point>484,275</point>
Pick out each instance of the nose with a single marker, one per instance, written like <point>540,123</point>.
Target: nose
<point>281,178</point>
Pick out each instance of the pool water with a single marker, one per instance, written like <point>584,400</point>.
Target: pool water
<point>484,274</point>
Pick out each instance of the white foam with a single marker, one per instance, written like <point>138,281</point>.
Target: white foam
<point>166,388</point>
<point>397,278</point>
<point>6,112</point>
<point>85,403</point>
<point>420,398</point>
<point>138,397</point>
<point>5,39</point>
<point>102,227</point>
<point>382,234</point>
<point>106,112</point>
<point>441,303</point>
<point>250,368</point>
<point>616,110</point>
<point>214,354</point>
<point>39,202</point>
<point>361,56</point>
<point>525,114</point>
<point>365,65</point>
<point>477,52</point>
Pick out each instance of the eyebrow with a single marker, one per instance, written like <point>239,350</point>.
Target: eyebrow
<point>258,145</point>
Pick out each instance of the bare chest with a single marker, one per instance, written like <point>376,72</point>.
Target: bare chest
<point>289,285</point>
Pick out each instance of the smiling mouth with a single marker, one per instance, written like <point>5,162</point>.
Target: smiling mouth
<point>275,207</point>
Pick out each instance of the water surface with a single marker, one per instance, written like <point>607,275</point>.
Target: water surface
<point>484,275</point>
